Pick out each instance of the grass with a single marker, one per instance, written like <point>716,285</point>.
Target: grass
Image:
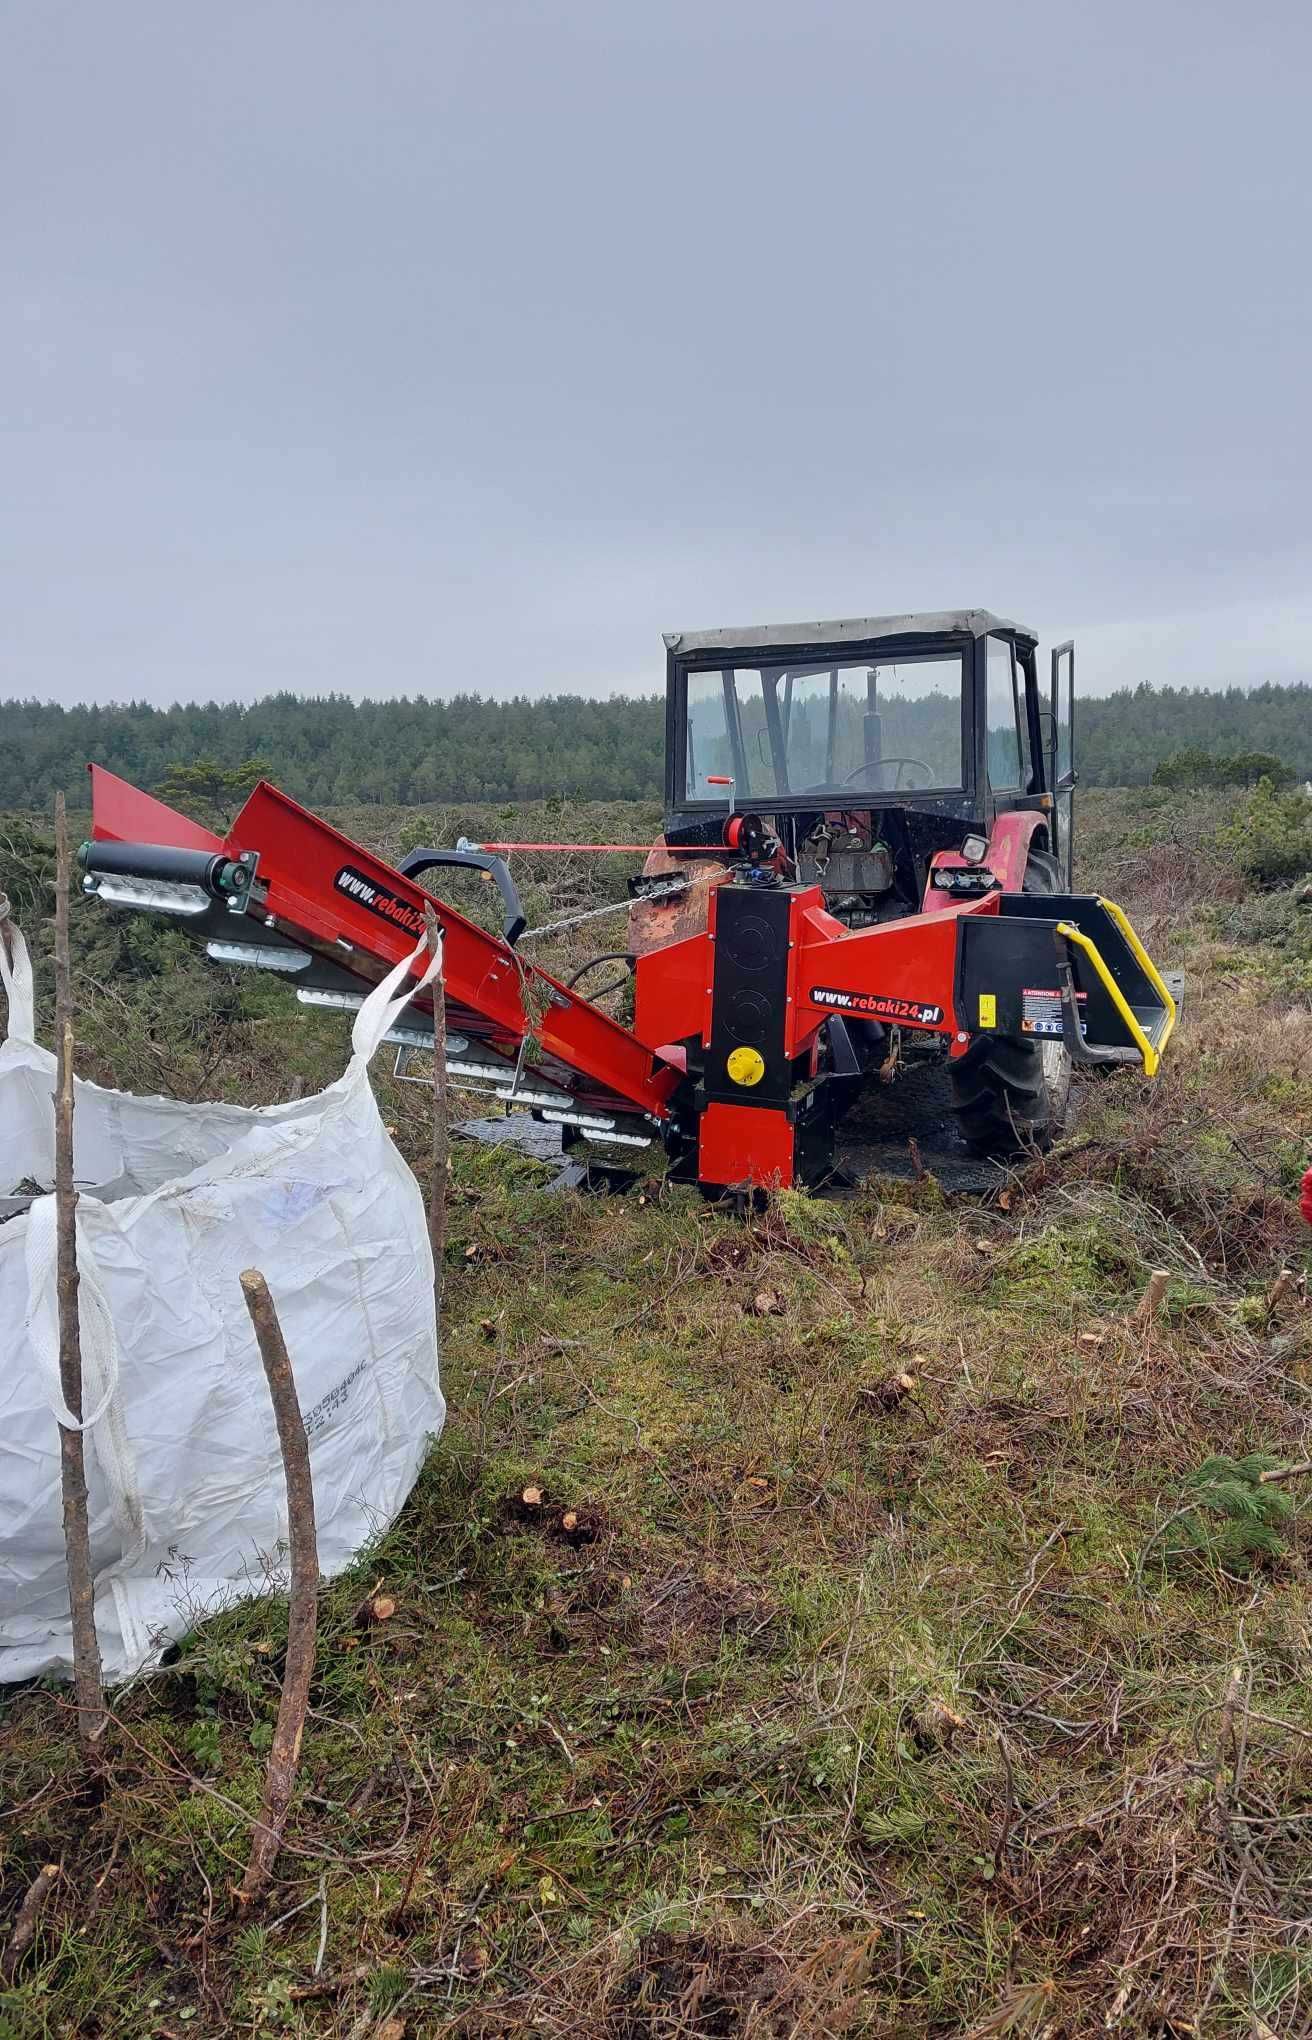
<point>850,1676</point>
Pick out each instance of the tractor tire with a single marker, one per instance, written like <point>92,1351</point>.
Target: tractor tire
<point>1010,1096</point>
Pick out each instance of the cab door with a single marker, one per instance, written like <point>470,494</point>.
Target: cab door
<point>1062,775</point>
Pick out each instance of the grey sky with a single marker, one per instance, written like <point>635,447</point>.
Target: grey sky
<point>401,347</point>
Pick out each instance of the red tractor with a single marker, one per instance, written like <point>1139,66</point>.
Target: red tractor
<point>864,873</point>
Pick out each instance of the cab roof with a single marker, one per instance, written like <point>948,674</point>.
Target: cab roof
<point>850,630</point>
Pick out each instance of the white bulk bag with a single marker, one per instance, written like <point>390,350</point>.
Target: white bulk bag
<point>187,1496</point>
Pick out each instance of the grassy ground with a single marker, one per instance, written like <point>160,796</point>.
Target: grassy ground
<point>876,1657</point>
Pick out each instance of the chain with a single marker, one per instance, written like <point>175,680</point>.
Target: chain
<point>676,885</point>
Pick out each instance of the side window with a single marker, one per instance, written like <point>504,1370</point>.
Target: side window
<point>726,734</point>
<point>1029,782</point>
<point>1008,752</point>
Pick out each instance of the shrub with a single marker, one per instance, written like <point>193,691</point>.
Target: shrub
<point>1195,767</point>
<point>1270,837</point>
<point>1279,919</point>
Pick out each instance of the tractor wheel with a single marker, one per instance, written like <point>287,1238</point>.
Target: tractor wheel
<point>1010,1096</point>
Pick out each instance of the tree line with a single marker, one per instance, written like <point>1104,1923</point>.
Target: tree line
<point>332,751</point>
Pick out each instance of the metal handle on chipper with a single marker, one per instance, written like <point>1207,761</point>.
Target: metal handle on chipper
<point>475,860</point>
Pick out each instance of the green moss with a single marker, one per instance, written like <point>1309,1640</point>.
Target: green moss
<point>1089,1260</point>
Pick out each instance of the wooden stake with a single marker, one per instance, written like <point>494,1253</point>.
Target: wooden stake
<point>441,1129</point>
<point>1150,1303</point>
<point>285,1753</point>
<point>87,1681</point>
<point>1284,1286</point>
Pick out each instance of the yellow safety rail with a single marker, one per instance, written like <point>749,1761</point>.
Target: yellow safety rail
<point>1148,967</point>
<point>1149,1056</point>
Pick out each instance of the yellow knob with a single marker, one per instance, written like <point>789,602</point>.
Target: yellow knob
<point>746,1066</point>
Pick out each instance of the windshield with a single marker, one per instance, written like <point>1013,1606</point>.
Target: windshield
<point>890,727</point>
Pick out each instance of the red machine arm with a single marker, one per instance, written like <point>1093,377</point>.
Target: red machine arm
<point>343,903</point>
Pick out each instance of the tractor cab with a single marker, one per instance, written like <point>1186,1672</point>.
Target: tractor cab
<point>871,746</point>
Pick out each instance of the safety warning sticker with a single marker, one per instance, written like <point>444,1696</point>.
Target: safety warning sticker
<point>1040,1011</point>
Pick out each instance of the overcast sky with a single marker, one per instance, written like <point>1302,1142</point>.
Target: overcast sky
<point>397,346</point>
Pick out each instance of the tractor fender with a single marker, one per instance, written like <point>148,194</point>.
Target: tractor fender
<point>1010,842</point>
<point>1008,854</point>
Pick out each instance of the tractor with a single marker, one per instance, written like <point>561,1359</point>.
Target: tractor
<point>863,883</point>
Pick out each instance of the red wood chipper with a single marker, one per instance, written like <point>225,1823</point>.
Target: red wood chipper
<point>864,873</point>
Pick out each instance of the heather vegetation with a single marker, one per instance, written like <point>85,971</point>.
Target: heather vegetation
<point>860,1619</point>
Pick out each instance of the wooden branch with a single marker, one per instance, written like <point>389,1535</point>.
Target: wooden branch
<point>441,1128</point>
<point>1286,1472</point>
<point>25,1924</point>
<point>419,1859</point>
<point>87,1682</point>
<point>285,1753</point>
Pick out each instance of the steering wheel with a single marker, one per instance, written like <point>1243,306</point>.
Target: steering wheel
<point>875,764</point>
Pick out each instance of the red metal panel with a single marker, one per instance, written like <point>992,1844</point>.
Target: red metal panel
<point>808,921</point>
<point>670,991</point>
<point>745,1144</point>
<point>901,972</point>
<point>122,814</point>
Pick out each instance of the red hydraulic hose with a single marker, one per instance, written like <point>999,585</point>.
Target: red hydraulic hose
<point>1305,1199</point>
